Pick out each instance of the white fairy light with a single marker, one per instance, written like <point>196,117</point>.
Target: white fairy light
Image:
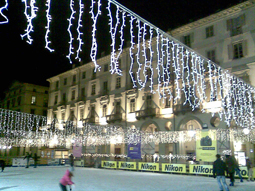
<point>131,51</point>
<point>114,66</point>
<point>69,30</point>
<point>49,18</point>
<point>5,7</point>
<point>94,17</point>
<point>33,9</point>
<point>81,7</point>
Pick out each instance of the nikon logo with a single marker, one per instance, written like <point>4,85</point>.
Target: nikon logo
<point>173,168</point>
<point>148,167</point>
<point>126,165</point>
<point>201,169</point>
<point>108,164</point>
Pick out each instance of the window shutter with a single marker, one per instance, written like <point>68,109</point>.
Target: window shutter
<point>230,51</point>
<point>245,48</point>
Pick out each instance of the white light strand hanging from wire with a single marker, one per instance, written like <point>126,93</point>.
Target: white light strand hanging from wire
<point>5,7</point>
<point>49,18</point>
<point>69,31</point>
<point>94,17</point>
<point>79,38</point>
<point>30,13</point>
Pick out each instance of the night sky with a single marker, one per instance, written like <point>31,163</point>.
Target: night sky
<point>34,64</point>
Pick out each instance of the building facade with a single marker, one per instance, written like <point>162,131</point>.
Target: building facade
<point>80,94</point>
<point>27,98</point>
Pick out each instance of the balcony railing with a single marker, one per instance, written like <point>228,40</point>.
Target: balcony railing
<point>180,108</point>
<point>114,117</point>
<point>148,112</point>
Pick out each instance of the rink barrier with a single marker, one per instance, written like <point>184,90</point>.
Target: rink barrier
<point>168,168</point>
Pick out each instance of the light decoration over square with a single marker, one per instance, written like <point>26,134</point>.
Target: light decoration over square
<point>157,61</point>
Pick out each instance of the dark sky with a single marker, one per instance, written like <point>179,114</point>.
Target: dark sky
<point>34,64</point>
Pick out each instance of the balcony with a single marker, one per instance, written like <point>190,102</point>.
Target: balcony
<point>180,108</point>
<point>114,117</point>
<point>148,112</point>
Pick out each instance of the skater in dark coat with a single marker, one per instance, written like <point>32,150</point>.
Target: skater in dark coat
<point>231,166</point>
<point>219,169</point>
<point>35,160</point>
<point>2,164</point>
<point>71,160</point>
<point>28,156</point>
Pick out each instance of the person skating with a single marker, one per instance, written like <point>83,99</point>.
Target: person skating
<point>250,170</point>
<point>219,169</point>
<point>2,164</point>
<point>237,170</point>
<point>35,160</point>
<point>28,156</point>
<point>71,161</point>
<point>231,166</point>
<point>66,180</point>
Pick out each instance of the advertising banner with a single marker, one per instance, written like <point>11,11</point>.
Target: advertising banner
<point>244,172</point>
<point>77,150</point>
<point>109,164</point>
<point>201,169</point>
<point>148,166</point>
<point>206,146</point>
<point>127,165</point>
<point>134,150</point>
<point>174,168</point>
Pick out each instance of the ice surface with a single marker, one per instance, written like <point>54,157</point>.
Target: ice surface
<point>91,179</point>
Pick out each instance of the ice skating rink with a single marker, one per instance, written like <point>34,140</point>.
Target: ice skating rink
<point>91,179</point>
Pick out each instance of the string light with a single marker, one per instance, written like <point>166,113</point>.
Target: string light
<point>5,7</point>
<point>33,9</point>
<point>69,31</point>
<point>94,17</point>
<point>49,18</point>
<point>81,7</point>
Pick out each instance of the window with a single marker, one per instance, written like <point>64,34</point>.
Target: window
<point>13,102</point>
<point>33,100</point>
<point>105,67</point>
<point>238,50</point>
<point>83,75</point>
<point>104,110</point>
<point>56,99</point>
<point>19,101</point>
<point>45,102</point>
<point>148,73</point>
<point>209,31</point>
<point>64,97</point>
<point>32,111</point>
<point>168,102</point>
<point>211,55</point>
<point>105,86</point>
<point>235,25</point>
<point>93,89</point>
<point>73,95</point>
<point>187,40</point>
<point>65,81</point>
<point>132,105</point>
<point>118,83</point>
<point>74,79</point>
<point>81,113</point>
<point>149,101</point>
<point>94,75</point>
<point>57,83</point>
<point>82,92</point>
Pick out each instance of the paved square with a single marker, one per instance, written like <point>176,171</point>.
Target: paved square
<point>91,179</point>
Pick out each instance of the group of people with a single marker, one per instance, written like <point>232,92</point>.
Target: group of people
<point>230,166</point>
<point>28,156</point>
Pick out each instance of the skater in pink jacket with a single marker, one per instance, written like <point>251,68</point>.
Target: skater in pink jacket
<point>66,180</point>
